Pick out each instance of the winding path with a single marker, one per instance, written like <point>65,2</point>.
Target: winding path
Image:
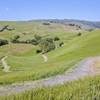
<point>45,57</point>
<point>84,68</point>
<point>5,65</point>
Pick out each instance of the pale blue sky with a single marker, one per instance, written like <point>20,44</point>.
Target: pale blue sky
<point>50,9</point>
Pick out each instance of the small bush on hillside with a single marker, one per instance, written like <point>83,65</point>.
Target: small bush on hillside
<point>79,34</point>
<point>49,40</point>
<point>61,44</point>
<point>34,42</point>
<point>56,38</point>
<point>3,42</point>
<point>15,39</point>
<point>38,51</point>
<point>37,37</point>
<point>46,23</point>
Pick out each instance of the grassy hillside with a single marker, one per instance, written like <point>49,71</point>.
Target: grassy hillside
<point>27,65</point>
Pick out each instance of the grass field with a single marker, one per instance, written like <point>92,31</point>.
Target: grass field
<point>27,65</point>
<point>84,89</point>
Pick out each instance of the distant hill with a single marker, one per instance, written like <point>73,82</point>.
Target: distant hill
<point>47,26</point>
<point>84,24</point>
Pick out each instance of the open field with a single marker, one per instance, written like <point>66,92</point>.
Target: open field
<point>27,65</point>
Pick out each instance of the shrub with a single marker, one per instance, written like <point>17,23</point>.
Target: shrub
<point>3,42</point>
<point>37,37</point>
<point>79,34</point>
<point>61,44</point>
<point>15,39</point>
<point>56,38</point>
<point>34,42</point>
<point>38,51</point>
<point>49,40</point>
<point>46,23</point>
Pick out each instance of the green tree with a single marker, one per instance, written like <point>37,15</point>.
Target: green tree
<point>15,39</point>
<point>3,42</point>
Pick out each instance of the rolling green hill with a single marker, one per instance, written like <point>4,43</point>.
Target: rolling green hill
<point>26,65</point>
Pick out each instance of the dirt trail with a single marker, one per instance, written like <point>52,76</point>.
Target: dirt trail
<point>45,57</point>
<point>5,65</point>
<point>84,68</point>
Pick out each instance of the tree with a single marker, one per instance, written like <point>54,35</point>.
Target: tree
<point>3,42</point>
<point>15,39</point>
<point>37,37</point>
<point>56,38</point>
<point>34,42</point>
<point>61,44</point>
<point>46,45</point>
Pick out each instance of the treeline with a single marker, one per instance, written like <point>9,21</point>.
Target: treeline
<point>45,44</point>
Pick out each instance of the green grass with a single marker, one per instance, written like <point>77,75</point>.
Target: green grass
<point>84,89</point>
<point>27,65</point>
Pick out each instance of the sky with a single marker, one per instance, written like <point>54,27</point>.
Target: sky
<point>50,9</point>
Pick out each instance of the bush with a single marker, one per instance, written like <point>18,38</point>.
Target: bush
<point>15,39</point>
<point>37,37</point>
<point>3,42</point>
<point>46,23</point>
<point>38,51</point>
<point>56,38</point>
<point>49,40</point>
<point>79,34</point>
<point>61,44</point>
<point>34,42</point>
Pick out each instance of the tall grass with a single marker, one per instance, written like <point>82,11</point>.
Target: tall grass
<point>84,89</point>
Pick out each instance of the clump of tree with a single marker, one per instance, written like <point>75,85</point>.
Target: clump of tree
<point>3,42</point>
<point>15,39</point>
<point>36,40</point>
<point>45,44</point>
<point>48,44</point>
<point>61,44</point>
<point>56,38</point>
<point>46,23</point>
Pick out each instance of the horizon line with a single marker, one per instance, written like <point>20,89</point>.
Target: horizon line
<point>17,20</point>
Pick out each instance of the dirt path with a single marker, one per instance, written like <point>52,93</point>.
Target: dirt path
<point>45,57</point>
<point>84,68</point>
<point>4,64</point>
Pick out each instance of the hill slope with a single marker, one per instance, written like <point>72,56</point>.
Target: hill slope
<point>27,65</point>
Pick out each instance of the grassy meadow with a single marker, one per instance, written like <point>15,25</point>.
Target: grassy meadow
<point>27,65</point>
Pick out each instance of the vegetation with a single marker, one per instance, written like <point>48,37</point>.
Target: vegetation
<point>3,42</point>
<point>15,39</point>
<point>45,44</point>
<point>27,65</point>
<point>85,89</point>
